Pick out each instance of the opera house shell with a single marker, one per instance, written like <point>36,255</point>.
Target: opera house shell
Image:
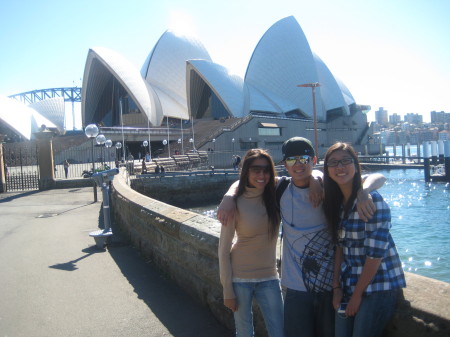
<point>180,80</point>
<point>19,121</point>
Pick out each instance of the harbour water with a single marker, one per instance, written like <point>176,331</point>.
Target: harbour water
<point>420,221</point>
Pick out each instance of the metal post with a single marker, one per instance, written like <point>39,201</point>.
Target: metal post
<point>149,142</point>
<point>418,150</point>
<point>440,145</point>
<point>168,137</point>
<point>316,141</point>
<point>313,86</point>
<point>434,157</point>
<point>93,170</point>
<point>182,136</point>
<point>403,154</point>
<point>426,161</point>
<point>193,134</point>
<point>447,159</point>
<point>123,136</point>
<point>106,212</point>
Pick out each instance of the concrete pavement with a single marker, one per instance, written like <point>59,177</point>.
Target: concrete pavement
<point>55,282</point>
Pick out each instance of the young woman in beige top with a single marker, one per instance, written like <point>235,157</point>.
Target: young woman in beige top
<point>248,266</point>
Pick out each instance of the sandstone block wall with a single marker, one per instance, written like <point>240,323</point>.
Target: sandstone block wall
<point>182,244</point>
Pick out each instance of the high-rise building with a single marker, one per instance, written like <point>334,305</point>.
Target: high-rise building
<point>381,116</point>
<point>394,119</point>
<point>440,117</point>
<point>413,118</point>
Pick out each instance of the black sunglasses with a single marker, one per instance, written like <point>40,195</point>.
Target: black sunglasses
<point>258,169</point>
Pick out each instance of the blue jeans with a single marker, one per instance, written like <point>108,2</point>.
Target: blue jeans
<point>308,314</point>
<point>374,313</point>
<point>268,296</point>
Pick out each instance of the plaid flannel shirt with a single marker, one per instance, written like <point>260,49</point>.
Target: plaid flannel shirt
<point>361,240</point>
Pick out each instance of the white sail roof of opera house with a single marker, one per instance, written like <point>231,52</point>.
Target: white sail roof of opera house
<point>165,70</point>
<point>53,109</point>
<point>21,118</point>
<point>101,64</point>
<point>282,60</point>
<point>334,93</point>
<point>229,88</point>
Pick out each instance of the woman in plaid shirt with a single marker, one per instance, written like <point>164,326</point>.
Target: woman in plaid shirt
<point>368,272</point>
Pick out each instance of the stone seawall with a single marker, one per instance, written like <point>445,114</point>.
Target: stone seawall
<point>183,245</point>
<point>185,191</point>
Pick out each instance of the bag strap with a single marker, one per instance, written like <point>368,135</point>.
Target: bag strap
<point>281,187</point>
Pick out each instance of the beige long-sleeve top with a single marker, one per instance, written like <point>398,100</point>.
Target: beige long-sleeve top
<point>253,255</point>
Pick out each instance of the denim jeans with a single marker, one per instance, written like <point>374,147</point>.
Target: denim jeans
<point>268,296</point>
<point>374,313</point>
<point>308,314</point>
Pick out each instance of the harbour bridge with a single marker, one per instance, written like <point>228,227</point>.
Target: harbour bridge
<point>71,95</point>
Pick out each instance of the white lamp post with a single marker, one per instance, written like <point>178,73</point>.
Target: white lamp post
<point>101,139</point>
<point>192,140</point>
<point>182,137</point>
<point>164,143</point>
<point>149,143</point>
<point>118,147</point>
<point>91,131</point>
<point>214,144</point>
<point>123,135</point>
<point>108,144</point>
<point>168,136</point>
<point>144,145</point>
<point>232,141</point>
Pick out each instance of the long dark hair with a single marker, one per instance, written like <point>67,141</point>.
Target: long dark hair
<point>269,195</point>
<point>333,195</point>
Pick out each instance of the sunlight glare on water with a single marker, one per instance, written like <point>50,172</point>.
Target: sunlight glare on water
<point>420,222</point>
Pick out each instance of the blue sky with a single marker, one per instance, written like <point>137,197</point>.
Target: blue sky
<point>390,53</point>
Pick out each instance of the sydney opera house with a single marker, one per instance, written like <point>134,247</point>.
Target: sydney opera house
<point>181,96</point>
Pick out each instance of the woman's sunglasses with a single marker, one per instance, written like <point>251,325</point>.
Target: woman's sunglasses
<point>258,169</point>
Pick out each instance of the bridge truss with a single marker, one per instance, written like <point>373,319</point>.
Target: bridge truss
<point>69,94</point>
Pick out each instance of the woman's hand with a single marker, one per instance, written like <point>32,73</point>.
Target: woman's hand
<point>353,305</point>
<point>231,304</point>
<point>337,298</point>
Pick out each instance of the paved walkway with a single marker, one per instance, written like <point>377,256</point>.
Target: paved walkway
<point>55,282</point>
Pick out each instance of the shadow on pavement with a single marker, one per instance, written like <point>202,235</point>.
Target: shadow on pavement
<point>10,196</point>
<point>71,265</point>
<point>179,312</point>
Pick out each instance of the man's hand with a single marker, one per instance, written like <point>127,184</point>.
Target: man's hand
<point>226,210</point>
<point>365,206</point>
<point>315,191</point>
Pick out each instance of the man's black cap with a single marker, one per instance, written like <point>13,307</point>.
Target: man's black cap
<point>297,146</point>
